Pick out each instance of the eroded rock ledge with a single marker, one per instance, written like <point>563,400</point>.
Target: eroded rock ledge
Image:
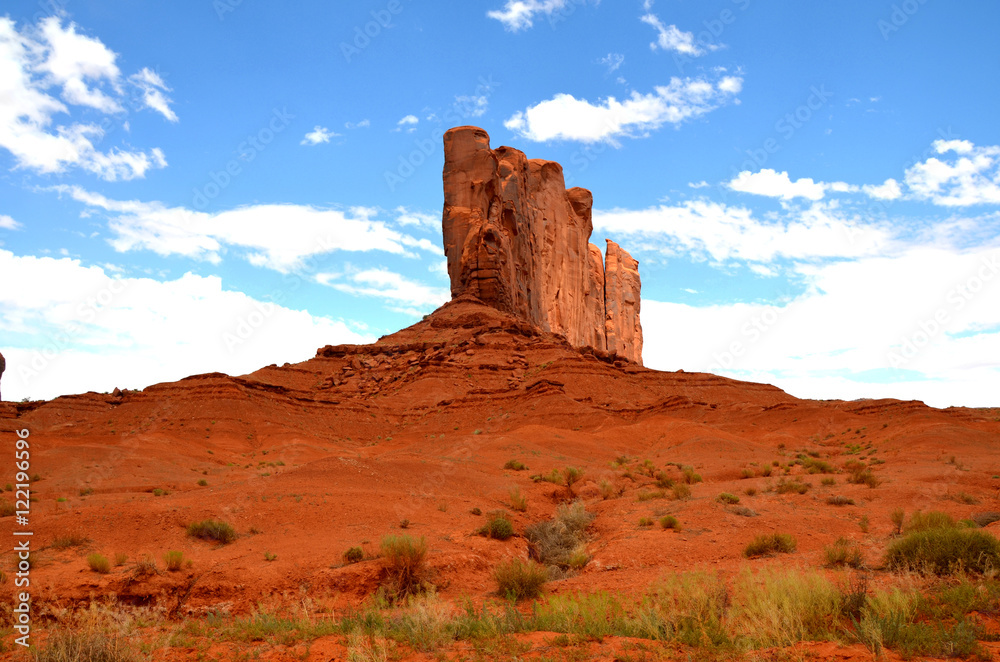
<point>516,239</point>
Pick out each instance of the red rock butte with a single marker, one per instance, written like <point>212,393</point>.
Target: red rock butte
<point>518,241</point>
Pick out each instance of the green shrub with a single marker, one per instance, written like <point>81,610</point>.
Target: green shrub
<point>670,522</point>
<point>608,490</point>
<point>211,529</point>
<point>645,521</point>
<point>828,481</point>
<point>99,563</point>
<point>840,501</point>
<point>121,558</point>
<point>497,526</point>
<point>898,516</point>
<point>945,551</point>
<point>173,559</point>
<point>770,543</point>
<point>690,477</point>
<point>405,559</point>
<point>520,580</point>
<point>354,555</point>
<point>514,465</point>
<point>571,476</point>
<point>663,481</point>
<point>203,483</point>
<point>818,467</point>
<point>726,497</point>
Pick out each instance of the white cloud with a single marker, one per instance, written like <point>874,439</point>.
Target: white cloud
<point>613,61</point>
<point>305,231</point>
<point>8,223</point>
<point>363,124</point>
<point>973,178</point>
<point>844,338</point>
<point>471,106</point>
<point>566,118</point>
<point>670,38</point>
<point>318,135</point>
<point>889,190</point>
<point>153,92</point>
<point>409,119</point>
<point>774,184</point>
<point>86,329</point>
<point>519,14</point>
<point>714,231</point>
<point>50,55</point>
<point>403,294</point>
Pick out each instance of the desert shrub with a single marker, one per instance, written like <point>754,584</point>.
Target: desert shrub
<point>747,472</point>
<point>518,501</point>
<point>211,529</point>
<point>934,519</point>
<point>750,491</point>
<point>945,551</point>
<point>68,540</point>
<point>985,519</point>
<point>515,465</point>
<point>160,492</point>
<point>766,471</point>
<point>840,501</point>
<point>571,476</point>
<point>203,483</point>
<point>898,516</point>
<point>86,491</point>
<point>646,495</point>
<point>7,509</point>
<point>645,521</point>
<point>842,553</point>
<point>520,580</point>
<point>681,491</point>
<point>497,526</point>
<point>692,607</point>
<point>121,558</point>
<point>864,477</point>
<point>607,488</point>
<point>99,563</point>
<point>476,511</point>
<point>173,559</point>
<point>726,497</point>
<point>405,567</point>
<point>690,477</point>
<point>743,511</point>
<point>828,481</point>
<point>663,481</point>
<point>791,487</point>
<point>814,466</point>
<point>670,522</point>
<point>354,555</point>
<point>560,541</point>
<point>768,544</point>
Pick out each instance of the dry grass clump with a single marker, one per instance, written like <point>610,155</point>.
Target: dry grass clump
<point>520,580</point>
<point>211,529</point>
<point>99,563</point>
<point>842,553</point>
<point>864,477</point>
<point>89,645</point>
<point>518,501</point>
<point>68,540</point>
<point>515,465</point>
<point>174,560</point>
<point>768,544</point>
<point>670,522</point>
<point>405,569</point>
<point>726,497</point>
<point>840,501</point>
<point>560,541</point>
<point>791,487</point>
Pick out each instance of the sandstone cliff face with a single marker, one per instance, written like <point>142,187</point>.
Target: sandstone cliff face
<point>518,240</point>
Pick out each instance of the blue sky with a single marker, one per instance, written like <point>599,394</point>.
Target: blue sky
<point>812,189</point>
